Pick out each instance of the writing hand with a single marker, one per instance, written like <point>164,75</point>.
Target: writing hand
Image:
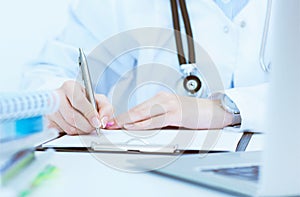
<point>76,114</point>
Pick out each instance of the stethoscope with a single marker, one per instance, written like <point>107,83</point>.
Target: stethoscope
<point>266,67</point>
<point>193,82</point>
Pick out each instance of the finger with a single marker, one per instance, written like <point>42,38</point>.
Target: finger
<point>158,99</point>
<point>105,110</point>
<point>139,114</point>
<point>74,118</point>
<point>76,96</point>
<point>112,124</point>
<point>159,104</point>
<point>151,123</point>
<point>59,120</point>
<point>53,125</point>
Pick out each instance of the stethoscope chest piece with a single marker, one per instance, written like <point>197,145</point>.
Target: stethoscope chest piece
<point>193,82</point>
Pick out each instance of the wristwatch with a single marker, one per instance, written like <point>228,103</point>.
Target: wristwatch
<point>229,106</point>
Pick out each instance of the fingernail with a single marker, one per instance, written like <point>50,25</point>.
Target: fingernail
<point>104,121</point>
<point>96,122</point>
<point>109,124</point>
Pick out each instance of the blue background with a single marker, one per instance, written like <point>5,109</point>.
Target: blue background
<point>25,26</point>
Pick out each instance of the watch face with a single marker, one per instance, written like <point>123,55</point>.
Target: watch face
<point>230,105</point>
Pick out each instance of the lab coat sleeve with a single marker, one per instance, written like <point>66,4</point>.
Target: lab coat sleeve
<point>251,102</point>
<point>57,61</point>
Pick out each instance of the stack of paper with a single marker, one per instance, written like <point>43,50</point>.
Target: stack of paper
<point>22,128</point>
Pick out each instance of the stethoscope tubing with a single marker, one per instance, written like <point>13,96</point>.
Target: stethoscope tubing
<point>189,34</point>
<point>266,67</point>
<point>192,80</point>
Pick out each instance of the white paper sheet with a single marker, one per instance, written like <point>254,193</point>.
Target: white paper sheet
<point>184,139</point>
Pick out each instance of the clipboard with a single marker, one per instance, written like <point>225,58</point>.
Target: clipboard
<point>129,149</point>
<point>126,148</point>
<point>144,148</point>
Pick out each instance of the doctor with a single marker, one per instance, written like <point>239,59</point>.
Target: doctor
<point>230,31</point>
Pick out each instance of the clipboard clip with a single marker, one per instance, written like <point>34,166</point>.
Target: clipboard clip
<point>129,148</point>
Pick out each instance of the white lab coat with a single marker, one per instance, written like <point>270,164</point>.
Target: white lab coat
<point>233,46</point>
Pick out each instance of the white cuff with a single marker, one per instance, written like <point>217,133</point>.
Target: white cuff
<point>251,102</point>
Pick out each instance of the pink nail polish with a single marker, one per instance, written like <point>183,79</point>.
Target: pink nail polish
<point>109,124</point>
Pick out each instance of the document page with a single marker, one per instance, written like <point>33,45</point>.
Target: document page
<point>182,139</point>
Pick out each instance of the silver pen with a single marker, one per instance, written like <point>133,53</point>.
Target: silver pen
<point>87,81</point>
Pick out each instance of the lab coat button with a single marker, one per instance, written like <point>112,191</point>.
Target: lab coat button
<point>243,24</point>
<point>226,29</point>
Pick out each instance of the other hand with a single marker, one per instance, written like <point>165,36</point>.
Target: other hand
<point>167,109</point>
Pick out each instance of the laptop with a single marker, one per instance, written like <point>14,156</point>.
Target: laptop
<point>276,170</point>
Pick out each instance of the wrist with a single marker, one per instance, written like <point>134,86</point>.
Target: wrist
<point>234,119</point>
<point>229,118</point>
<point>225,118</point>
<point>230,110</point>
<point>230,107</point>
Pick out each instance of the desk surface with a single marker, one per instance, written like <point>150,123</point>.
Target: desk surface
<point>85,174</point>
<point>80,174</point>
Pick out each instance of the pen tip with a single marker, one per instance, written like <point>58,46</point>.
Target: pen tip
<point>98,131</point>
